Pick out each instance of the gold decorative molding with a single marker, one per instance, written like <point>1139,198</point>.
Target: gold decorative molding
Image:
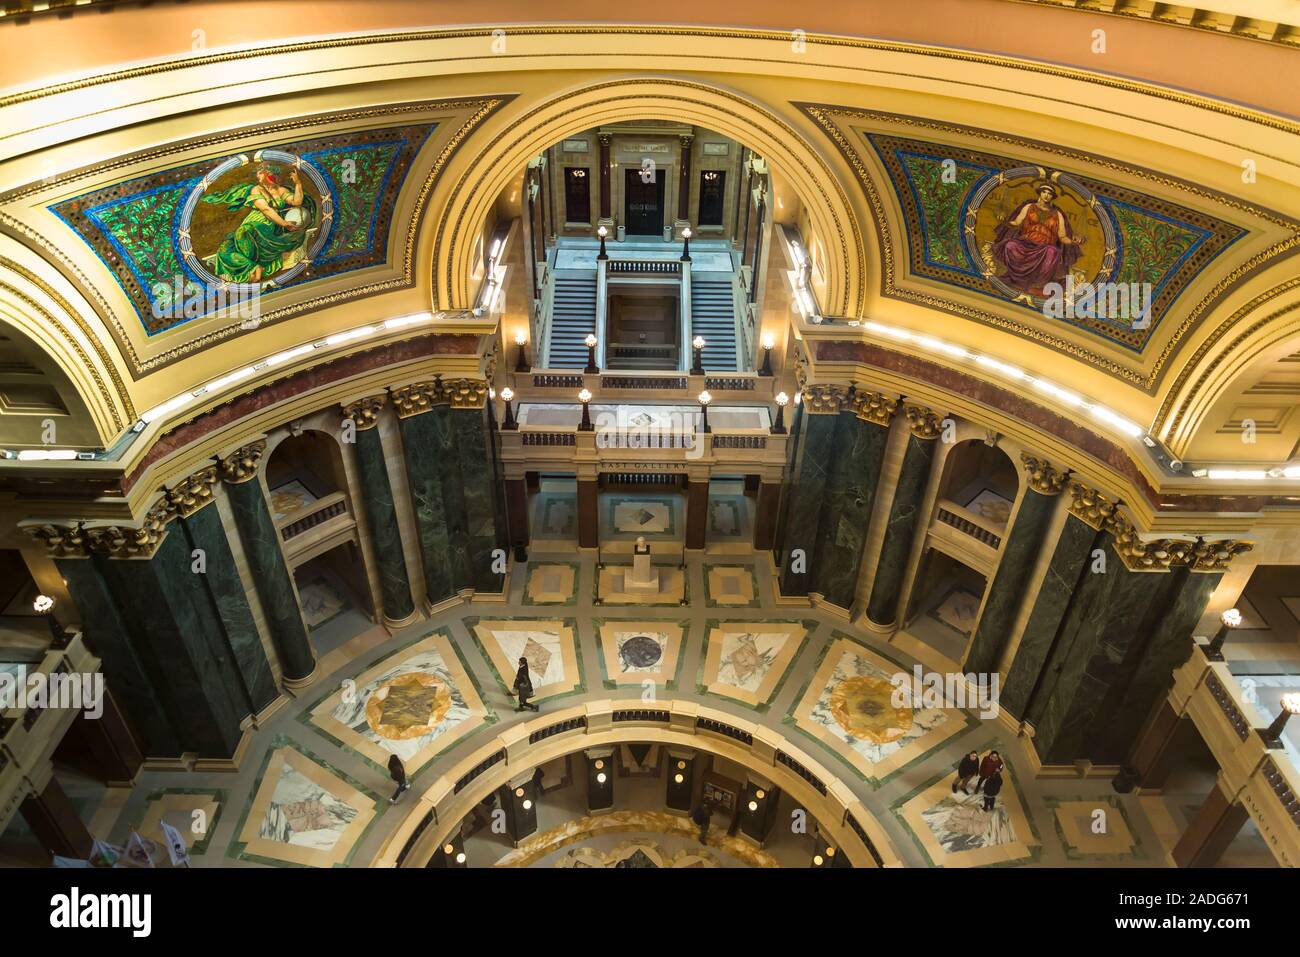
<point>1216,556</point>
<point>874,407</point>
<point>1151,555</point>
<point>413,399</point>
<point>364,413</point>
<point>1181,15</point>
<point>1091,507</point>
<point>825,399</point>
<point>1043,477</point>
<point>192,492</point>
<point>59,541</point>
<point>464,393</point>
<point>241,465</point>
<point>922,422</point>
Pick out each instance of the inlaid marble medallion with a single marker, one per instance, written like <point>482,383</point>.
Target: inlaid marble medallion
<point>634,652</point>
<point>746,661</point>
<point>954,830</point>
<point>550,584</point>
<point>730,586</point>
<point>549,646</point>
<point>415,703</point>
<point>303,813</point>
<point>1094,826</point>
<point>642,516</point>
<point>850,706</point>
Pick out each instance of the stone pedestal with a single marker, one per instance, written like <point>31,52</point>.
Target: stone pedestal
<point>643,578</point>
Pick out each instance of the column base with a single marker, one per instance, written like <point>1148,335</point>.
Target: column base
<point>883,631</point>
<point>294,684</point>
<point>431,609</point>
<point>397,624</point>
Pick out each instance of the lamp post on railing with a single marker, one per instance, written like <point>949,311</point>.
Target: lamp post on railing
<point>768,342</point>
<point>1272,735</point>
<point>781,400</point>
<point>697,368</point>
<point>510,424</point>
<point>44,606</point>
<point>590,343</point>
<point>1229,620</point>
<point>585,397</point>
<point>602,232</point>
<point>705,399</point>
<point>521,340</point>
<point>686,245</point>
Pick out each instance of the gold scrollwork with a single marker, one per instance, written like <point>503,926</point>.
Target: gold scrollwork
<point>1042,476</point>
<point>241,465</point>
<point>364,413</point>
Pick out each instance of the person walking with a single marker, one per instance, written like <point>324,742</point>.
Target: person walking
<point>701,816</point>
<point>992,787</point>
<point>524,686</point>
<point>991,765</point>
<point>397,771</point>
<point>967,768</point>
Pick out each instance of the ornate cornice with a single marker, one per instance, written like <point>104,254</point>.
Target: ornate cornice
<point>364,413</point>
<point>1150,555</point>
<point>192,492</point>
<point>111,541</point>
<point>1216,556</point>
<point>1043,477</point>
<point>1090,506</point>
<point>59,541</point>
<point>825,399</point>
<point>241,465</point>
<point>922,422</point>
<point>464,393</point>
<point>874,407</point>
<point>413,399</point>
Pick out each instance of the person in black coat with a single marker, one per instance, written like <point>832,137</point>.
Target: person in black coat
<point>992,785</point>
<point>524,686</point>
<point>701,815</point>
<point>967,768</point>
<point>397,771</point>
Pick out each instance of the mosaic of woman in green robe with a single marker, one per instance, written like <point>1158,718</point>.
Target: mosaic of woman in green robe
<point>258,246</point>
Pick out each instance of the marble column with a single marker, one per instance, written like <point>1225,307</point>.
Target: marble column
<point>485,538</point>
<point>860,438</point>
<point>758,256</point>
<point>684,180</point>
<point>605,196</point>
<point>381,511</point>
<point>588,514</point>
<point>1125,631</point>
<point>55,822</point>
<point>1071,556</point>
<point>766,509</point>
<point>807,486</point>
<point>904,515</point>
<point>266,561</point>
<point>1210,832</point>
<point>697,513</point>
<point>1024,542</point>
<point>422,450</point>
<point>517,515</point>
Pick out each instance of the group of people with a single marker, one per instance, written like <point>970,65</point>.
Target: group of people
<point>989,771</point>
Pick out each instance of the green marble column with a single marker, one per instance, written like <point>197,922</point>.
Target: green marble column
<point>456,516</point>
<point>846,506</point>
<point>271,577</point>
<point>479,494</point>
<point>807,486</point>
<point>173,628</point>
<point>377,493</point>
<point>904,515</point>
<point>422,450</point>
<point>1007,591</point>
<point>1071,556</point>
<point>125,673</point>
<point>226,589</point>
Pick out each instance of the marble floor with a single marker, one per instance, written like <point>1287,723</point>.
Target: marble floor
<point>312,789</point>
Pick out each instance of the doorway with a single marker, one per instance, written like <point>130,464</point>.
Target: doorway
<point>643,204</point>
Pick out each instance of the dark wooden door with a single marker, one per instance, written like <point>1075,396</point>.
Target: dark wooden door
<point>644,204</point>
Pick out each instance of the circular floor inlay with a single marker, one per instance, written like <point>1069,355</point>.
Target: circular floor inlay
<point>862,706</point>
<point>640,651</point>
<point>408,706</point>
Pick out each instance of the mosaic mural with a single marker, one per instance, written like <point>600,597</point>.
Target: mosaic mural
<point>187,241</point>
<point>1042,238</point>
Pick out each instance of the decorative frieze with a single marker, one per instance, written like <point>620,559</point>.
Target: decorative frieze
<point>1091,507</point>
<point>825,399</point>
<point>191,493</point>
<point>364,413</point>
<point>874,407</point>
<point>241,465</point>
<point>1042,476</point>
<point>922,422</point>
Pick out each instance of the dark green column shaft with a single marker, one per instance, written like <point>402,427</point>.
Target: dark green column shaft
<point>455,511</point>
<point>846,507</point>
<point>377,491</point>
<point>173,630</point>
<point>239,632</point>
<point>271,577</point>
<point>807,486</point>
<point>900,532</point>
<point>1070,557</point>
<point>1024,542</point>
<point>479,493</point>
<point>422,451</point>
<point>131,682</point>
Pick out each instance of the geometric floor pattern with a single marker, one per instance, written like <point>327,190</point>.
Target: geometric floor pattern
<point>312,789</point>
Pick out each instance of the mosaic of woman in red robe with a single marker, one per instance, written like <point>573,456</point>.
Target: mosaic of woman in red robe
<point>1036,245</point>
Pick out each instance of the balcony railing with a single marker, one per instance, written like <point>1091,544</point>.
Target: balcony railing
<point>321,511</point>
<point>668,267</point>
<point>954,515</point>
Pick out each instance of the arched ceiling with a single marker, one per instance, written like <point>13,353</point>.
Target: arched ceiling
<point>117,147</point>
